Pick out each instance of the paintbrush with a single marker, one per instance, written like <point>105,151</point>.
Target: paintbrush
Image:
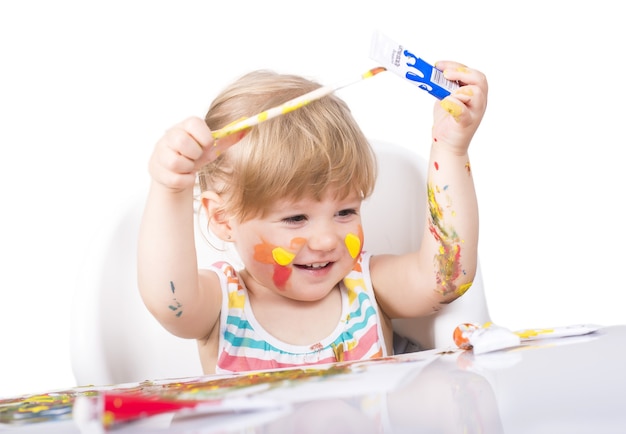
<point>290,105</point>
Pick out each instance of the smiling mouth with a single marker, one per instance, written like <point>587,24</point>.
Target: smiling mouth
<point>316,266</point>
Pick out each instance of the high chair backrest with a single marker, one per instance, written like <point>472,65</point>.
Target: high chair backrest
<point>116,340</point>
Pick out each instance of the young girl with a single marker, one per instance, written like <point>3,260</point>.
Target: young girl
<point>287,193</point>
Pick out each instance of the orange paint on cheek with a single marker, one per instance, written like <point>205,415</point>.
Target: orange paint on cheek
<point>280,257</point>
<point>263,253</point>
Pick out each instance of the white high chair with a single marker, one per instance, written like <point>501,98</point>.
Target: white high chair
<point>115,339</point>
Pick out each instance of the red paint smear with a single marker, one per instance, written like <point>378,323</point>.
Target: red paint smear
<point>263,254</point>
<point>281,275</point>
<point>434,231</point>
<point>436,166</point>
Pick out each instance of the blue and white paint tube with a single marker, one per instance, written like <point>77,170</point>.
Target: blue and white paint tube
<point>402,62</point>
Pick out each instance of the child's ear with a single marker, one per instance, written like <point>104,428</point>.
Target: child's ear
<point>219,224</point>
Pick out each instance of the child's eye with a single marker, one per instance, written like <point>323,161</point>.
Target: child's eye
<point>295,219</point>
<point>347,212</point>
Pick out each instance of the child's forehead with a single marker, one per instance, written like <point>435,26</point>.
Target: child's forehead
<point>332,196</point>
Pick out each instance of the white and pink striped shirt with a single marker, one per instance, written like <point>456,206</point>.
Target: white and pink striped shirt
<point>245,346</point>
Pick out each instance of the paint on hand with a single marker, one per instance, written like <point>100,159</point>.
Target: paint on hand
<point>451,107</point>
<point>465,91</point>
<point>353,243</point>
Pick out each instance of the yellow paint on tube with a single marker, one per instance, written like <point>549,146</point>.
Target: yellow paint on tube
<point>524,334</point>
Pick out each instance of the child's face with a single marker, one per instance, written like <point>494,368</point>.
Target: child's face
<point>302,249</point>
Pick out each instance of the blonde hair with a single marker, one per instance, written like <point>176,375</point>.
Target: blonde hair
<point>299,154</point>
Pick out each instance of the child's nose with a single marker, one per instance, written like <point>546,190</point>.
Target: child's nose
<point>323,238</point>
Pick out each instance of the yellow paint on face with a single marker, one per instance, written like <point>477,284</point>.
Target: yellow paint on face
<point>282,256</point>
<point>353,243</point>
<point>451,107</point>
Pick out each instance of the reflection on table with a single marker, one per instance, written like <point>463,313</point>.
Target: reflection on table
<point>575,384</point>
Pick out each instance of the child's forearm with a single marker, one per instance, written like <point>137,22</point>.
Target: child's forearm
<point>451,234</point>
<point>167,264</point>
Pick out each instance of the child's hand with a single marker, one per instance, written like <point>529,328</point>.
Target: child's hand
<point>183,150</point>
<point>457,116</point>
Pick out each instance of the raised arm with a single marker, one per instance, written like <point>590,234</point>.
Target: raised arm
<point>185,301</point>
<point>444,267</point>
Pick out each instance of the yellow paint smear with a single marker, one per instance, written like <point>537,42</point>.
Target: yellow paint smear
<point>353,243</point>
<point>465,91</point>
<point>282,256</point>
<point>463,288</point>
<point>451,107</point>
<point>533,332</point>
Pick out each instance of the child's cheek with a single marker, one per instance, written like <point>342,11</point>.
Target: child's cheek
<point>279,257</point>
<point>282,257</point>
<point>354,242</point>
<point>281,276</point>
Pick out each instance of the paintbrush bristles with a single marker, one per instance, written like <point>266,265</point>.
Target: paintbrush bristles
<point>289,106</point>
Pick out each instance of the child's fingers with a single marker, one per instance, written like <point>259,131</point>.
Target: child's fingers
<point>226,142</point>
<point>472,96</point>
<point>197,130</point>
<point>193,139</point>
<point>455,71</point>
<point>193,145</point>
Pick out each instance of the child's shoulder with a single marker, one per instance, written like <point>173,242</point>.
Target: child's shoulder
<point>228,276</point>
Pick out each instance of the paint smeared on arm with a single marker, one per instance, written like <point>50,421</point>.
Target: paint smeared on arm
<point>175,306</point>
<point>447,260</point>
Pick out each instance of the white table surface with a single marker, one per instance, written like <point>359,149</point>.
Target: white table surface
<point>567,385</point>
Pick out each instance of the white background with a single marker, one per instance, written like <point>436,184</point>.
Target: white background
<point>87,87</point>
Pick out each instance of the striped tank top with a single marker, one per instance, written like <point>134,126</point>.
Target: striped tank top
<point>245,346</point>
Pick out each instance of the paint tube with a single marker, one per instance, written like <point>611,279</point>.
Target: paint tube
<point>402,62</point>
<point>489,337</point>
<point>484,339</point>
<point>557,332</point>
